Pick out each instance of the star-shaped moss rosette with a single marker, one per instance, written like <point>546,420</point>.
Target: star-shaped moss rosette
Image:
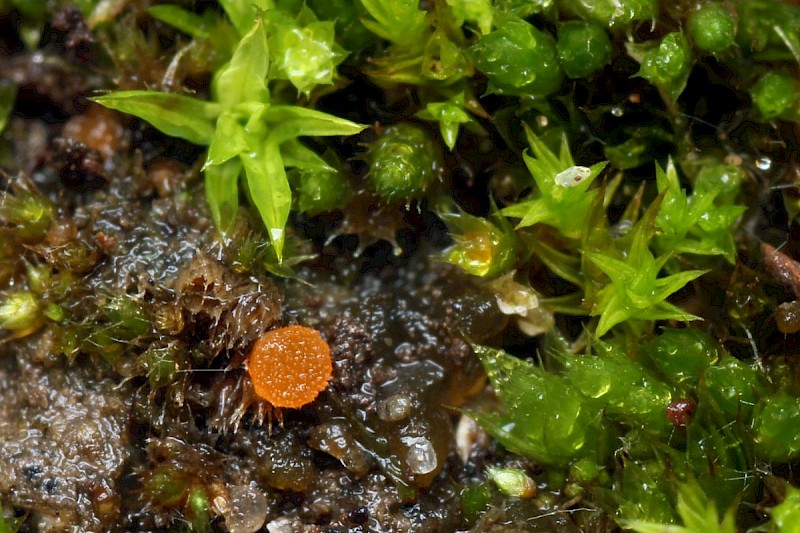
<point>636,292</point>
<point>696,223</point>
<point>563,189</point>
<point>247,134</point>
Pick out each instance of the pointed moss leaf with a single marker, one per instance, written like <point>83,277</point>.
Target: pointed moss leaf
<point>697,511</point>
<point>222,192</point>
<point>530,212</point>
<point>450,115</point>
<point>269,189</point>
<point>297,155</point>
<point>499,428</point>
<point>8,95</point>
<point>619,271</point>
<point>244,78</point>
<point>230,140</point>
<point>545,162</point>
<point>477,11</point>
<point>293,121</point>
<point>671,284</point>
<point>174,114</point>
<point>401,21</point>
<point>242,14</point>
<point>186,21</point>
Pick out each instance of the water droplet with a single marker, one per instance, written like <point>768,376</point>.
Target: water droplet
<point>394,408</point>
<point>421,456</point>
<point>764,163</point>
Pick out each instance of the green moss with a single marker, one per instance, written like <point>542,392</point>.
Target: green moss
<point>712,27</point>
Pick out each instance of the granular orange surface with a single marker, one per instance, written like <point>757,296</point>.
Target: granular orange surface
<point>290,366</point>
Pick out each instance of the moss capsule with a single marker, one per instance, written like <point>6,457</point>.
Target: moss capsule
<point>518,59</point>
<point>290,366</point>
<point>583,47</point>
<point>403,162</point>
<point>711,27</point>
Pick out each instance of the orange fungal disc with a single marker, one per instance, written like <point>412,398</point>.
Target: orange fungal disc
<point>290,366</point>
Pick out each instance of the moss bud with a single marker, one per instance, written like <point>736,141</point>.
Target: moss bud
<point>711,28</point>
<point>682,355</point>
<point>775,424</point>
<point>20,312</point>
<point>28,214</point>
<point>583,47</point>
<point>320,191</point>
<point>518,59</point>
<point>513,482</point>
<point>613,12</point>
<point>403,162</point>
<point>775,94</point>
<point>669,61</point>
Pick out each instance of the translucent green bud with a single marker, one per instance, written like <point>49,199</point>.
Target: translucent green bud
<point>775,94</point>
<point>403,162</point>
<point>303,50</point>
<point>669,61</point>
<point>475,500</point>
<point>518,59</point>
<point>613,12</point>
<point>727,178</point>
<point>734,386</point>
<point>127,318</point>
<point>38,277</point>
<point>320,191</point>
<point>20,311</point>
<point>711,27</point>
<point>513,482</point>
<point>786,515</point>
<point>28,214</point>
<point>482,248</point>
<point>198,511</point>
<point>775,424</point>
<point>522,8</point>
<point>54,312</point>
<point>161,364</point>
<point>585,471</point>
<point>349,29</point>
<point>166,487</point>
<point>583,47</point>
<point>682,355</point>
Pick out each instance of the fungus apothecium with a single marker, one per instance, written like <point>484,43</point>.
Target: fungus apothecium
<point>290,366</point>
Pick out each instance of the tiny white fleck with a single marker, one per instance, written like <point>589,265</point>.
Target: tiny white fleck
<point>572,176</point>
